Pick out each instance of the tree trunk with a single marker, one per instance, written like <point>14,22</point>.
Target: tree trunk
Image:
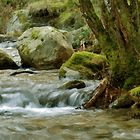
<point>118,32</point>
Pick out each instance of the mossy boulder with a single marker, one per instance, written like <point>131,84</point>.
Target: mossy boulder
<point>135,94</point>
<point>6,61</point>
<point>88,64</point>
<point>44,48</point>
<point>73,84</point>
<point>124,101</point>
<point>135,108</point>
<point>19,22</point>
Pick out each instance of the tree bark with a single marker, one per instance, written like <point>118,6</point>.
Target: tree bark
<point>118,31</point>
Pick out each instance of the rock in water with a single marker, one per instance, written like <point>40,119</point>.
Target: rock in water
<point>73,84</point>
<point>89,65</point>
<point>44,48</point>
<point>6,61</point>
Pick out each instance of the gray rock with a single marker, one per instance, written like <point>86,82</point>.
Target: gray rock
<point>73,84</point>
<point>44,48</point>
<point>6,61</point>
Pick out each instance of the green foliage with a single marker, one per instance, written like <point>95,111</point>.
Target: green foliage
<point>14,3</point>
<point>6,9</point>
<point>135,92</point>
<point>52,6</point>
<point>82,33</point>
<point>124,101</point>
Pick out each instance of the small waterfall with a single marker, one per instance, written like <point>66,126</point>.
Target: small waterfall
<point>16,92</point>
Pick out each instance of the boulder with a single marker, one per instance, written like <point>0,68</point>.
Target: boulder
<point>6,61</point>
<point>135,108</point>
<point>124,101</point>
<point>88,64</point>
<point>44,48</point>
<point>73,84</point>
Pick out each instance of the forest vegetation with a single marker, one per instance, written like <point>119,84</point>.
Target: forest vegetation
<point>114,24</point>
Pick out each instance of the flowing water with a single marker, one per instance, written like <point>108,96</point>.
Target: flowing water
<point>34,107</point>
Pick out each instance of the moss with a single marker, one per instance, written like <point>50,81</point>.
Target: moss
<point>70,19</point>
<point>124,101</point>
<point>88,64</point>
<point>51,6</point>
<point>135,92</point>
<point>129,82</point>
<point>35,34</point>
<point>135,96</point>
<point>64,17</point>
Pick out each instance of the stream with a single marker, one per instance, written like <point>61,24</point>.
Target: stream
<point>34,107</point>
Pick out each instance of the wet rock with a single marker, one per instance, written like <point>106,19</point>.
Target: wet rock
<point>4,38</point>
<point>22,71</point>
<point>70,74</point>
<point>44,48</point>
<point>53,99</point>
<point>124,101</point>
<point>1,98</point>
<point>73,84</point>
<point>89,65</point>
<point>6,61</point>
<point>135,94</point>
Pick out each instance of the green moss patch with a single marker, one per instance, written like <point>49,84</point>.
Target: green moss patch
<point>135,92</point>
<point>35,34</point>
<point>135,95</point>
<point>89,65</point>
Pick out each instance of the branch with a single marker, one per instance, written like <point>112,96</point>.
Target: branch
<point>98,91</point>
